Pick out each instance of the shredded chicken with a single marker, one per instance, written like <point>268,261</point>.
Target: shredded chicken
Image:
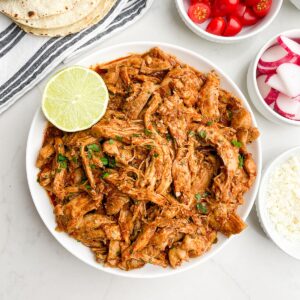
<point>163,171</point>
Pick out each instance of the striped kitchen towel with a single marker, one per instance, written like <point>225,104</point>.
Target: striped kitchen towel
<point>26,59</point>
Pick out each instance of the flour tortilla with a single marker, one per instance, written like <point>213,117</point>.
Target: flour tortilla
<point>81,9</point>
<point>94,17</point>
<point>35,9</point>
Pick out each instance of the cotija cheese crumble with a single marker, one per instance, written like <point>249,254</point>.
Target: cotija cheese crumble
<point>283,198</point>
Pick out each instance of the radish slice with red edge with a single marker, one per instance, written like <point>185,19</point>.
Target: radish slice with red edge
<point>286,106</point>
<point>266,71</point>
<point>275,56</point>
<point>269,94</point>
<point>289,75</point>
<point>275,82</point>
<point>289,45</point>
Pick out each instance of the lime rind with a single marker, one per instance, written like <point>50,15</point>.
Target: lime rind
<point>75,98</point>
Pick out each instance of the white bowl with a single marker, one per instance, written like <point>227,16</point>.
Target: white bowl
<point>253,90</point>
<point>247,32</point>
<point>288,247</point>
<point>40,197</point>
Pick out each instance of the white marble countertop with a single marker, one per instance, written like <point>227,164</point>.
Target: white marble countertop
<point>34,266</point>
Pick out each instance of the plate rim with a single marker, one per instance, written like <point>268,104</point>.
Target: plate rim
<point>254,189</point>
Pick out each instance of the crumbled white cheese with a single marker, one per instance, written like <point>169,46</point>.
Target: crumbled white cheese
<point>283,198</point>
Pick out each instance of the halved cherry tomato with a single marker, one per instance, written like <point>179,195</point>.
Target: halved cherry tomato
<point>240,10</point>
<point>221,8</point>
<point>249,18</point>
<point>234,26</point>
<point>216,26</point>
<point>251,2</point>
<point>262,8</point>
<point>207,2</point>
<point>199,12</point>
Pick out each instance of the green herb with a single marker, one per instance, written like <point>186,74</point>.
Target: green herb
<point>202,134</point>
<point>241,160</point>
<point>111,162</point>
<point>75,159</point>
<point>236,143</point>
<point>147,131</point>
<point>60,158</point>
<point>155,155</point>
<point>168,137</point>
<point>136,135</point>
<point>104,161</point>
<point>229,114</point>
<point>105,175</point>
<point>111,141</point>
<point>149,147</point>
<point>58,170</point>
<point>93,166</point>
<point>209,123</point>
<point>88,187</point>
<point>191,133</point>
<point>93,147</point>
<point>63,164</point>
<point>201,207</point>
<point>38,180</point>
<point>89,154</point>
<point>119,138</point>
<point>198,196</point>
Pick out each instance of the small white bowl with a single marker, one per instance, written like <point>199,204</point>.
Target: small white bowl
<point>253,90</point>
<point>285,245</point>
<point>247,32</point>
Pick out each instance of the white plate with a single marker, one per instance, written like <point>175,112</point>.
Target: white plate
<point>292,249</point>
<point>40,197</point>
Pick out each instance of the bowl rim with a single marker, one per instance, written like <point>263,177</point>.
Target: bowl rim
<point>269,43</point>
<point>260,203</point>
<point>254,189</point>
<point>213,37</point>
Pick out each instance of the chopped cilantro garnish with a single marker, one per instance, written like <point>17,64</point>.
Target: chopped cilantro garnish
<point>60,158</point>
<point>236,143</point>
<point>63,164</point>
<point>93,166</point>
<point>119,138</point>
<point>147,131</point>
<point>88,187</point>
<point>93,147</point>
<point>104,161</point>
<point>209,123</point>
<point>202,134</point>
<point>198,196</point>
<point>90,154</point>
<point>149,147</point>
<point>111,141</point>
<point>191,133</point>
<point>75,159</point>
<point>105,175</point>
<point>155,155</point>
<point>241,160</point>
<point>201,207</point>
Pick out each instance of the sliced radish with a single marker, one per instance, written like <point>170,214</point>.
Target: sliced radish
<point>269,94</point>
<point>264,70</point>
<point>289,45</point>
<point>275,82</point>
<point>275,56</point>
<point>289,75</point>
<point>286,106</point>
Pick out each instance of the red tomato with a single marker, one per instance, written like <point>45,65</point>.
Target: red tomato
<point>249,17</point>
<point>251,2</point>
<point>216,26</point>
<point>234,26</point>
<point>240,10</point>
<point>199,12</point>
<point>207,2</point>
<point>262,8</point>
<point>222,8</point>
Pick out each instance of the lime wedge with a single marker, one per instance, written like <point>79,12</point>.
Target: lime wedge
<point>75,98</point>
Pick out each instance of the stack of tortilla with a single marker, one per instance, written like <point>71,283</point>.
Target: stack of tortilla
<point>55,17</point>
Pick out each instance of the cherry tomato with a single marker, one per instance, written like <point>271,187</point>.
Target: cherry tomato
<point>207,2</point>
<point>251,2</point>
<point>234,26</point>
<point>216,26</point>
<point>240,10</point>
<point>262,8</point>
<point>199,12</point>
<point>222,8</point>
<point>249,18</point>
